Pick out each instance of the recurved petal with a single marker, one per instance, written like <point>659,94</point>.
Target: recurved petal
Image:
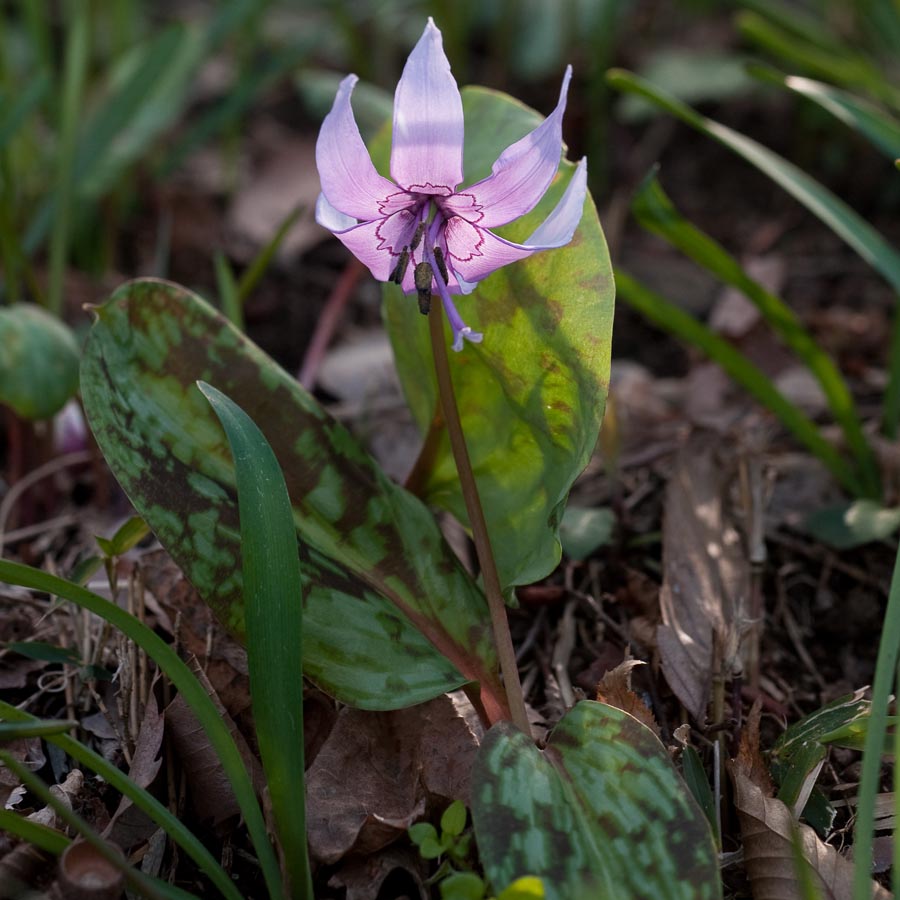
<point>476,252</point>
<point>523,171</point>
<point>361,240</point>
<point>560,226</point>
<point>349,179</point>
<point>427,150</point>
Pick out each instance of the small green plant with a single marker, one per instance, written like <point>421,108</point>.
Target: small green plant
<point>450,842</point>
<point>453,847</point>
<point>322,565</point>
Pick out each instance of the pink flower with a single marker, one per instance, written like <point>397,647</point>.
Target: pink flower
<point>419,230</point>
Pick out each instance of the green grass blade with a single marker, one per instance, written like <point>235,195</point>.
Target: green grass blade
<point>233,106</point>
<point>800,24</point>
<point>39,28</point>
<point>836,214</point>
<point>74,76</point>
<point>48,839</point>
<point>684,326</point>
<point>152,888</point>
<point>878,126</point>
<point>187,685</point>
<point>12,731</point>
<point>17,114</point>
<point>840,65</point>
<point>885,671</point>
<point>274,611</point>
<point>655,212</point>
<point>141,798</point>
<point>228,291</point>
<point>262,260</point>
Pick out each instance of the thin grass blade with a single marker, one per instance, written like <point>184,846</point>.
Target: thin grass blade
<point>274,615</point>
<point>74,76</point>
<point>188,686</point>
<point>830,209</point>
<point>141,798</point>
<point>263,259</point>
<point>226,283</point>
<point>152,888</point>
<point>655,212</point>
<point>12,731</point>
<point>684,326</point>
<point>885,672</point>
<point>48,839</point>
<point>878,126</point>
<point>24,105</point>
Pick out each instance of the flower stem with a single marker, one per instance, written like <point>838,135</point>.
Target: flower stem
<point>499,621</point>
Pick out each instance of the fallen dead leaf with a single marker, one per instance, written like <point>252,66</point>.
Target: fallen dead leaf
<point>209,787</point>
<point>705,579</point>
<point>769,830</point>
<point>614,689</point>
<point>145,765</point>
<point>24,750</point>
<point>367,878</point>
<point>199,633</point>
<point>378,772</point>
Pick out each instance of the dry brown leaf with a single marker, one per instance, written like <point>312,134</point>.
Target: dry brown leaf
<point>377,773</point>
<point>768,829</point>
<point>615,689</point>
<point>209,787</point>
<point>705,578</point>
<point>24,750</point>
<point>145,765</point>
<point>365,878</point>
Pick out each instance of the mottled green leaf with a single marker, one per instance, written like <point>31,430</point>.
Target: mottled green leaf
<point>600,812</point>
<point>532,395</point>
<point>848,525</point>
<point>391,617</point>
<point>38,361</point>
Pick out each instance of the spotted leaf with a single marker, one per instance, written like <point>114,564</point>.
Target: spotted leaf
<point>601,812</point>
<point>391,618</point>
<point>532,394</point>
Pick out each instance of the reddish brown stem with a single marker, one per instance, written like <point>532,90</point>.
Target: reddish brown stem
<point>328,321</point>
